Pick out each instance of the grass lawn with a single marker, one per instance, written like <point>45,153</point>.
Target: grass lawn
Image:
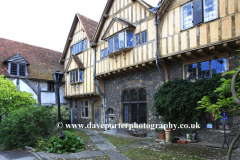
<point>119,141</point>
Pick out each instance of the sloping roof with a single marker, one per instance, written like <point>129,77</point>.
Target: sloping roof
<point>106,10</point>
<point>17,58</point>
<point>43,62</point>
<point>78,62</point>
<point>88,25</point>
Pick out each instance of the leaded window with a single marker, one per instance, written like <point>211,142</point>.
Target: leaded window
<point>210,10</point>
<point>79,47</point>
<point>84,106</point>
<point>134,106</point>
<point>121,40</point>
<point>76,76</point>
<point>17,69</point>
<point>206,69</point>
<point>104,53</point>
<point>187,16</point>
<point>141,38</point>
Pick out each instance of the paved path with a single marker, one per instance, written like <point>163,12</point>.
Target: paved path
<point>18,155</point>
<point>105,147</point>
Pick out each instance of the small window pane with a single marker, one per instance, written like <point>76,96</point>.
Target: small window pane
<point>137,39</point>
<point>83,112</point>
<point>143,112</point>
<point>125,113</point>
<point>125,96</point>
<point>86,112</point>
<point>187,16</point>
<point>144,36</point>
<point>116,43</point>
<point>130,38</point>
<point>110,111</point>
<point>13,69</point>
<point>22,69</point>
<point>82,103</point>
<point>84,44</point>
<point>80,46</point>
<point>134,113</point>
<point>219,65</point>
<point>110,45</point>
<point>76,75</point>
<point>134,95</point>
<point>77,48</point>
<point>121,40</point>
<point>86,103</point>
<point>81,76</point>
<point>106,52</point>
<point>210,10</point>
<point>102,54</point>
<point>142,95</point>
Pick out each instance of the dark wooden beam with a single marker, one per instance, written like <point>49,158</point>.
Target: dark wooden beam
<point>106,15</point>
<point>192,55</point>
<point>174,59</point>
<point>133,68</point>
<point>127,70</point>
<point>120,71</point>
<point>152,63</point>
<point>139,67</point>
<point>164,61</point>
<point>146,65</point>
<point>214,50</point>
<point>238,43</point>
<point>182,57</point>
<point>203,52</point>
<point>227,47</point>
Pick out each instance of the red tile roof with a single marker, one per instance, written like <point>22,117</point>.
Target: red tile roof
<point>43,62</point>
<point>88,25</point>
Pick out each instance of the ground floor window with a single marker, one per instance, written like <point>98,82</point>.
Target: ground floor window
<point>206,69</point>
<point>134,106</point>
<point>84,107</point>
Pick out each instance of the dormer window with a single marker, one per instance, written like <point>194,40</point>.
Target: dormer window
<point>16,69</point>
<point>79,47</point>
<point>120,42</point>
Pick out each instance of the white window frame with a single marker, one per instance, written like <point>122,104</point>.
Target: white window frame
<point>18,69</point>
<point>214,10</point>
<point>182,16</point>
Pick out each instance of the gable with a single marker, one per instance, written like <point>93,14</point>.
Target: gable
<point>132,11</point>
<point>74,63</point>
<point>117,25</point>
<point>17,58</point>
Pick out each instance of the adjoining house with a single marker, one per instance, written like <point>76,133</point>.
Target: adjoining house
<point>136,48</point>
<point>30,68</point>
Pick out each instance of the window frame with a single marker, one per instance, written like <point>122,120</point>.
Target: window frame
<point>50,86</point>
<point>17,69</point>
<point>130,104</point>
<point>141,37</point>
<point>80,76</point>
<point>78,45</point>
<point>182,16</point>
<point>204,11</point>
<point>210,67</point>
<point>84,107</point>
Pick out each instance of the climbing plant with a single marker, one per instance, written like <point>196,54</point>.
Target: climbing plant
<point>176,100</point>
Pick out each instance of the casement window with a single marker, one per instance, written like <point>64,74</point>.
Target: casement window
<point>79,47</point>
<point>110,111</point>
<point>141,38</point>
<point>104,53</point>
<point>197,12</point>
<point>50,86</point>
<point>16,69</point>
<point>84,109</point>
<point>134,106</point>
<point>206,69</point>
<point>76,76</point>
<point>120,41</point>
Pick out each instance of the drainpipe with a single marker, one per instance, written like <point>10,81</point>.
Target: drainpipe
<point>103,95</point>
<point>156,44</point>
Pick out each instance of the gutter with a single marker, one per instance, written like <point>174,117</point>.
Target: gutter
<point>103,95</point>
<point>156,44</point>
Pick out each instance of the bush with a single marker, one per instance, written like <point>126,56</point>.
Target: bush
<point>70,143</point>
<point>65,114</point>
<point>22,127</point>
<point>176,100</point>
<point>11,98</point>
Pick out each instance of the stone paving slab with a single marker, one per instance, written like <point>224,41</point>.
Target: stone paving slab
<point>115,155</point>
<point>83,154</point>
<point>17,155</point>
<point>96,153</point>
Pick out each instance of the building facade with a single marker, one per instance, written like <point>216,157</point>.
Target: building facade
<point>135,48</point>
<point>30,68</point>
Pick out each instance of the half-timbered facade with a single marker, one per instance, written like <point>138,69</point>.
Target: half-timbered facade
<point>197,39</point>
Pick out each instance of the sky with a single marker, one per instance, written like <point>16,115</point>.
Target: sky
<point>46,23</point>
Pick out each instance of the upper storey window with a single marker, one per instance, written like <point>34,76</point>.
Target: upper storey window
<point>104,53</point>
<point>120,41</point>
<point>141,38</point>
<point>197,12</point>
<point>76,76</point>
<point>79,47</point>
<point>17,69</point>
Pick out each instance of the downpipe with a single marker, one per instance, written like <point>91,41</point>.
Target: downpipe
<point>156,44</point>
<point>103,95</point>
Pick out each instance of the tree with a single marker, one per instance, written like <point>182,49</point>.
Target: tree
<point>11,98</point>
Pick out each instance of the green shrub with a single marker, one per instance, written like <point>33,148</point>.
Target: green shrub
<point>11,98</point>
<point>176,100</point>
<point>70,144</point>
<point>65,114</point>
<point>22,127</point>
